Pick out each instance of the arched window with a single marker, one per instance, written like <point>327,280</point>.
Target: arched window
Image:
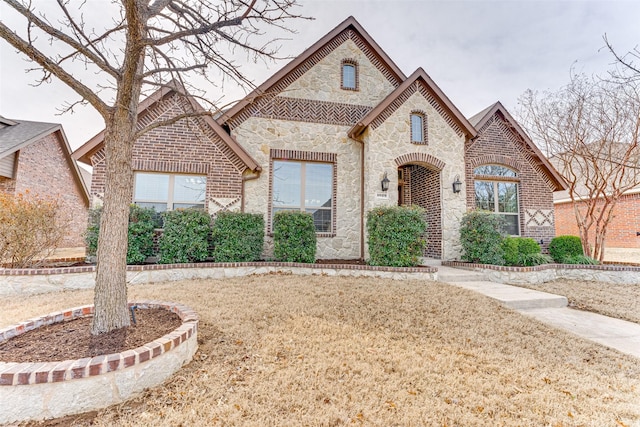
<point>349,75</point>
<point>498,195</point>
<point>418,128</point>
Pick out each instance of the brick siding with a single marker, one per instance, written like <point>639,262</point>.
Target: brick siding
<point>7,185</point>
<point>535,190</point>
<point>188,146</point>
<point>422,188</point>
<point>621,232</point>
<point>43,169</point>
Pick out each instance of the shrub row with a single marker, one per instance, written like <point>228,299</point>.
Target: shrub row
<point>484,242</point>
<point>396,235</point>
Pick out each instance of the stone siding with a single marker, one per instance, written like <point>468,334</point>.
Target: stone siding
<point>622,231</point>
<point>391,140</point>
<point>498,144</point>
<point>43,169</point>
<point>188,146</point>
<point>323,81</point>
<point>259,136</point>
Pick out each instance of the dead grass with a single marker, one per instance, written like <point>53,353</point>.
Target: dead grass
<point>320,351</point>
<point>613,300</point>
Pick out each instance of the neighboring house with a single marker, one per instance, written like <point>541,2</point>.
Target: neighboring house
<point>322,135</point>
<point>622,232</point>
<point>35,156</point>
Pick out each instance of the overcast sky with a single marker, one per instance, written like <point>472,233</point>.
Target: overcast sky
<point>477,52</point>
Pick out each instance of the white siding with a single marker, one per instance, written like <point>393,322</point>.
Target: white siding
<point>6,165</point>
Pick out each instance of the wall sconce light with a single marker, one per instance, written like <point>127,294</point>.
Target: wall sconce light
<point>385,182</point>
<point>457,185</point>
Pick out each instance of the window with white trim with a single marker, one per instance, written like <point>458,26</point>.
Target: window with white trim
<point>499,197</point>
<point>165,192</point>
<point>304,186</point>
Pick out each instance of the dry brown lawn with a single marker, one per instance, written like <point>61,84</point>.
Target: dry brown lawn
<point>614,300</point>
<point>319,351</point>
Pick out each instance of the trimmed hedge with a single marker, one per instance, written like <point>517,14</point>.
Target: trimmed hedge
<point>481,238</point>
<point>140,233</point>
<point>395,235</point>
<point>563,248</point>
<point>185,237</point>
<point>237,237</point>
<point>294,237</point>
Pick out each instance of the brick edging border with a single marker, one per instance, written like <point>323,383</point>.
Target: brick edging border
<point>600,267</point>
<point>152,267</point>
<point>13,373</point>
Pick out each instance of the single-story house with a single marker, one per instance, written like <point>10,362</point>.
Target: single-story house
<point>36,156</point>
<point>336,132</point>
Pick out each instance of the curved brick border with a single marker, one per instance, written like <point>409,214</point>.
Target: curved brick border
<point>30,391</point>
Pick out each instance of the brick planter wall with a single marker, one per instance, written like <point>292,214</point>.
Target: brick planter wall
<point>34,391</point>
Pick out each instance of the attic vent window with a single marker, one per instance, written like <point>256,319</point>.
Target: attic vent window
<point>349,75</point>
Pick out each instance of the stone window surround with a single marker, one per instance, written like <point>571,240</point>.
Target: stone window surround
<point>304,156</point>
<point>423,116</point>
<point>507,179</point>
<point>354,64</point>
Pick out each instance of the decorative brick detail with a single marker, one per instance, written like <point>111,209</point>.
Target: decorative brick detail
<point>188,146</point>
<point>305,156</point>
<point>306,110</point>
<point>600,267</point>
<point>12,374</point>
<point>535,190</point>
<point>420,87</point>
<point>277,88</point>
<point>420,158</point>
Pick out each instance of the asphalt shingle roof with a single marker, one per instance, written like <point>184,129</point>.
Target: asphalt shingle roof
<point>22,133</point>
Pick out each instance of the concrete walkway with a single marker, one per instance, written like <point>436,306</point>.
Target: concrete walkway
<point>550,309</point>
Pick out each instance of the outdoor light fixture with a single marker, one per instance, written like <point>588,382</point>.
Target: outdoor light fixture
<point>385,182</point>
<point>457,185</point>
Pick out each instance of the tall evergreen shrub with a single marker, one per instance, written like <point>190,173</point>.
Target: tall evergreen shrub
<point>237,237</point>
<point>185,237</point>
<point>395,235</point>
<point>294,237</point>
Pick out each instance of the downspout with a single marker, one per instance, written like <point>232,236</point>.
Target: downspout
<point>361,200</point>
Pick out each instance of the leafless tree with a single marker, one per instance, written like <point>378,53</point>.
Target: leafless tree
<point>627,67</point>
<point>590,130</point>
<point>128,47</point>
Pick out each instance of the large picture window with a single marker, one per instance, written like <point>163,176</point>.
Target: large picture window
<point>168,192</point>
<point>304,186</point>
<point>497,196</point>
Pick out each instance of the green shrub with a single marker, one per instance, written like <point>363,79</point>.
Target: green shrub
<point>481,238</point>
<point>581,259</point>
<point>185,237</point>
<point>140,233</point>
<point>517,250</point>
<point>562,248</point>
<point>395,235</point>
<point>294,237</point>
<point>536,259</point>
<point>237,237</point>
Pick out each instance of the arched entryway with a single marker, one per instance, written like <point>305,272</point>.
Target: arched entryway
<point>419,183</point>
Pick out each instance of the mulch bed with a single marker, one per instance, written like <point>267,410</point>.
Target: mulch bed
<point>73,340</point>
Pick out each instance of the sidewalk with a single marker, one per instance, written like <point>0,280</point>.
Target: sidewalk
<point>550,309</point>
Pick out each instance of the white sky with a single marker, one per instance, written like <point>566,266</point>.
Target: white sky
<point>477,52</point>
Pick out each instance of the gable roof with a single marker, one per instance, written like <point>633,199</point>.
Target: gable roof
<point>18,134</point>
<point>485,115</point>
<point>89,148</point>
<point>348,24</point>
<point>418,76</point>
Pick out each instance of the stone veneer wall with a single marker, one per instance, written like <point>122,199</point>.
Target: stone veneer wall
<point>186,147</point>
<point>43,169</point>
<point>498,144</point>
<point>390,140</point>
